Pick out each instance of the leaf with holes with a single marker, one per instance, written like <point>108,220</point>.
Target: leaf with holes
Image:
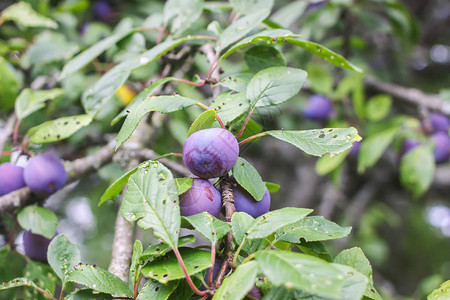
<point>30,101</point>
<point>301,271</point>
<point>88,294</point>
<point>248,177</point>
<point>62,256</point>
<point>313,228</point>
<point>273,86</point>
<point>240,28</point>
<point>162,104</point>
<point>99,280</point>
<point>210,227</point>
<point>167,268</point>
<point>39,220</point>
<point>230,106</point>
<point>154,251</point>
<point>17,282</point>
<point>59,129</point>
<point>183,184</point>
<point>152,201</point>
<point>318,142</point>
<point>204,120</point>
<point>270,222</point>
<point>325,53</point>
<point>155,290</point>
<point>236,82</point>
<point>238,284</point>
<point>23,14</point>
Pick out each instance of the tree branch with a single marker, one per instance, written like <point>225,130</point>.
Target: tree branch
<point>430,101</point>
<point>6,131</point>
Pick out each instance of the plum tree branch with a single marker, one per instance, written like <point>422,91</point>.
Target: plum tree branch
<point>430,101</point>
<point>6,131</point>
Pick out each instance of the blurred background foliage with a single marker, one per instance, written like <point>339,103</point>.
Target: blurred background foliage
<point>406,237</point>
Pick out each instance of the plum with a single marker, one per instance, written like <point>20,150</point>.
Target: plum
<point>255,292</point>
<point>438,123</point>
<point>441,146</point>
<point>202,196</point>
<point>210,153</point>
<point>408,145</point>
<point>354,150</point>
<point>244,202</point>
<point>102,10</point>
<point>318,108</point>
<point>36,246</point>
<point>45,174</point>
<point>11,178</point>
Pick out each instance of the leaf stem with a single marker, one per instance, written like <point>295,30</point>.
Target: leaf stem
<point>213,260</point>
<point>205,107</point>
<point>250,257</point>
<point>245,123</point>
<point>161,32</point>
<point>186,274</point>
<point>136,285</point>
<point>61,295</point>
<point>15,132</point>
<point>191,82</point>
<point>252,138</point>
<point>237,252</point>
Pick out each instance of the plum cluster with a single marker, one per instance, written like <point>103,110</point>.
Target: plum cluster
<point>211,153</point>
<point>44,175</point>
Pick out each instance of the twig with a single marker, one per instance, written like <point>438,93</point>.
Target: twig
<point>6,131</point>
<point>430,101</point>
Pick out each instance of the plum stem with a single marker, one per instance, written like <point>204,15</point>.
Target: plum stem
<point>213,260</point>
<point>186,274</point>
<point>252,138</point>
<point>61,295</point>
<point>245,123</point>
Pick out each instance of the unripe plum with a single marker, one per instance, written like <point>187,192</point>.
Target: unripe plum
<point>441,146</point>
<point>244,202</point>
<point>45,174</point>
<point>318,108</point>
<point>202,196</point>
<point>36,246</point>
<point>210,153</point>
<point>11,178</point>
<point>439,123</point>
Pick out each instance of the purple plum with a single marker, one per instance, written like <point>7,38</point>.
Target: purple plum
<point>45,174</point>
<point>11,178</point>
<point>255,292</point>
<point>408,145</point>
<point>244,202</point>
<point>441,146</point>
<point>354,150</point>
<point>210,153</point>
<point>216,270</point>
<point>318,108</point>
<point>438,123</point>
<point>202,196</point>
<point>102,10</point>
<point>36,246</point>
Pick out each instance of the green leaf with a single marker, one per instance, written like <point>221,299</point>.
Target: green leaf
<point>274,86</point>
<point>62,255</point>
<point>246,7</point>
<point>318,142</point>
<point>356,259</point>
<point>241,222</point>
<point>239,283</point>
<point>248,177</point>
<point>210,227</point>
<point>154,251</point>
<point>116,188</point>
<point>417,169</point>
<point>275,35</point>
<point>167,268</point>
<point>316,249</point>
<point>354,285</point>
<point>313,228</point>
<point>9,85</point>
<point>41,274</point>
<point>152,200</point>
<point>85,57</point>
<point>23,14</point>
<point>328,163</point>
<point>240,28</point>
<point>230,106</point>
<point>270,222</point>
<point>373,147</point>
<point>163,104</point>
<point>30,101</point>
<point>17,282</point>
<point>236,82</point>
<point>204,120</point>
<point>272,187</point>
<point>301,271</point>
<point>59,129</point>
<point>88,294</point>
<point>183,184</point>
<point>325,53</point>
<point>182,13</point>
<point>261,57</point>
<point>378,107</point>
<point>135,263</point>
<point>289,13</point>
<point>142,96</point>
<point>155,290</point>
<point>99,280</point>
<point>103,91</point>
<point>39,220</point>
<point>321,79</point>
<point>441,293</point>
